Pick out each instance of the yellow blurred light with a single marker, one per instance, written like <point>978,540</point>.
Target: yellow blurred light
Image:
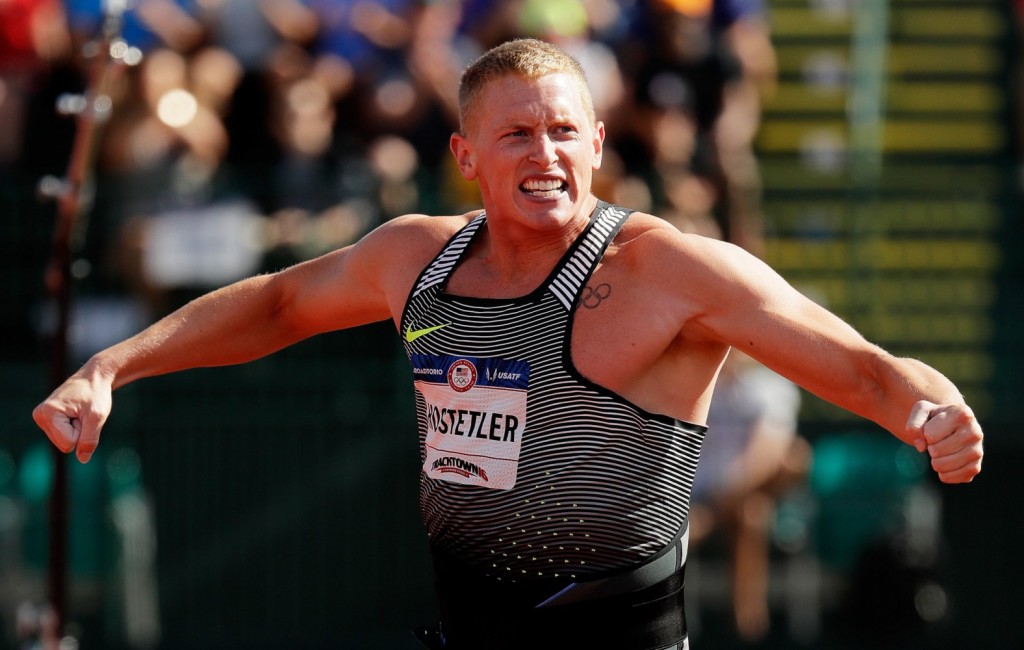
<point>177,108</point>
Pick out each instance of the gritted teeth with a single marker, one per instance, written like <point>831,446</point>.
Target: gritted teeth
<point>539,185</point>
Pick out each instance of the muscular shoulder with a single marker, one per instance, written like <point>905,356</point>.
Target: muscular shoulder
<point>415,232</point>
<point>656,248</point>
<point>366,281</point>
<point>410,241</point>
<point>397,251</point>
<point>695,273</point>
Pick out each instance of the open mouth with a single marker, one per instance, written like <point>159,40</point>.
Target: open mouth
<point>543,188</point>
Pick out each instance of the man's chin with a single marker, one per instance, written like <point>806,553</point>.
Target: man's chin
<point>555,210</point>
<point>553,215</point>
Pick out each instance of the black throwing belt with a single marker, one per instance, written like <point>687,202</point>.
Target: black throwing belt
<point>637,609</point>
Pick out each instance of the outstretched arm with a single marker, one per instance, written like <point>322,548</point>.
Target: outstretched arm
<point>238,323</point>
<point>754,310</point>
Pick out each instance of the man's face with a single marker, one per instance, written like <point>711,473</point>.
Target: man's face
<point>532,147</point>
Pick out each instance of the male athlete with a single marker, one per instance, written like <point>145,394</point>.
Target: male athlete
<point>564,353</point>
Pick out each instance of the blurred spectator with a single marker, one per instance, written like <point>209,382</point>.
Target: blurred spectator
<point>253,30</point>
<point>169,113</point>
<point>145,24</point>
<point>33,36</point>
<point>368,58</point>
<point>744,28</point>
<point>445,39</point>
<point>699,68</point>
<point>752,455</point>
<point>609,20</point>
<point>360,54</point>
<point>323,191</point>
<point>162,157</point>
<point>255,34</point>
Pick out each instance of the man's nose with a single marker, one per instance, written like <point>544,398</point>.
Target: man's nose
<point>542,150</point>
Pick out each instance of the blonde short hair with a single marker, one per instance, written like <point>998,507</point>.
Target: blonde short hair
<point>527,57</point>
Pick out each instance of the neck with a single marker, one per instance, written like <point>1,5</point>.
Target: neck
<point>512,248</point>
<point>509,262</point>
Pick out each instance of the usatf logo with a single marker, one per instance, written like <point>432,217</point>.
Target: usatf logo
<point>461,376</point>
<point>457,465</point>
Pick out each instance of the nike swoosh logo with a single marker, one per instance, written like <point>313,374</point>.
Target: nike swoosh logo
<point>411,334</point>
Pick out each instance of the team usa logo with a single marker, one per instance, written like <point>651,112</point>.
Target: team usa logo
<point>461,376</point>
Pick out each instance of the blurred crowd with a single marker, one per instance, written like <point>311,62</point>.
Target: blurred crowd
<point>270,131</point>
<point>252,134</point>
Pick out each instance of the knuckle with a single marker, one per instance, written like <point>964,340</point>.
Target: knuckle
<point>964,415</point>
<point>39,414</point>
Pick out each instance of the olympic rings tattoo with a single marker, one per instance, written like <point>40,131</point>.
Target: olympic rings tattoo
<point>593,297</point>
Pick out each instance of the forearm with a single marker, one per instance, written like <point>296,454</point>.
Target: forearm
<point>898,384</point>
<point>237,323</point>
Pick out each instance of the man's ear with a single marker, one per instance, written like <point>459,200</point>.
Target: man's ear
<point>463,152</point>
<point>598,144</point>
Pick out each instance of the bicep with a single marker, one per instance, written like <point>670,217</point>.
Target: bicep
<point>344,288</point>
<point>756,311</point>
<point>733,299</point>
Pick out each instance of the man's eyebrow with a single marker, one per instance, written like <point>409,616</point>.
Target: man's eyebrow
<point>513,125</point>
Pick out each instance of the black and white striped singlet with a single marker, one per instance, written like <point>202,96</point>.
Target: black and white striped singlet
<point>531,471</point>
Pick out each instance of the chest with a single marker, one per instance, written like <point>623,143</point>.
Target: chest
<point>616,333</point>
